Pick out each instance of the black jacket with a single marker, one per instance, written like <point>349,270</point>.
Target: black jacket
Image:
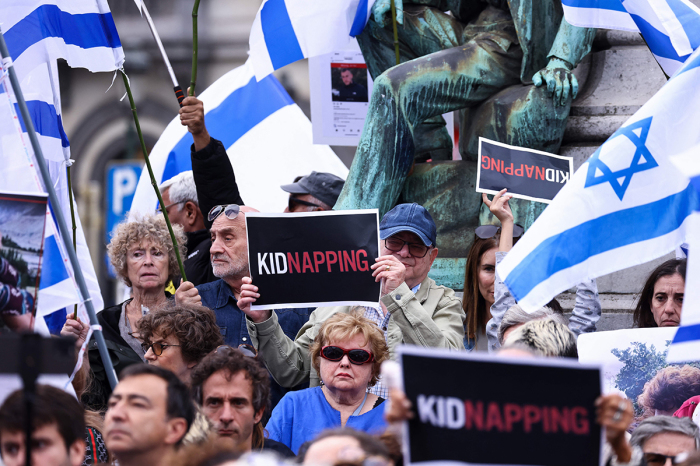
<point>214,178</point>
<point>197,263</point>
<point>120,352</point>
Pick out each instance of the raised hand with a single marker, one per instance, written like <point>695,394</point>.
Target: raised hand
<point>74,328</point>
<point>391,270</point>
<point>192,116</point>
<point>499,206</point>
<point>249,294</point>
<point>186,293</point>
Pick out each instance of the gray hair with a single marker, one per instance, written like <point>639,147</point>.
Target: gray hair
<point>658,424</point>
<point>546,336</point>
<point>515,315</point>
<point>181,188</point>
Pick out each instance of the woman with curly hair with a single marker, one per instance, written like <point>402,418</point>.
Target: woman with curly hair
<point>143,257</point>
<point>668,390</point>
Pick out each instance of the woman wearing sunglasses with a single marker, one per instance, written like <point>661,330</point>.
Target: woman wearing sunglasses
<point>486,298</point>
<point>347,354</point>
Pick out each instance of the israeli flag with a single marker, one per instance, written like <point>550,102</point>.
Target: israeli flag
<point>671,28</point>
<point>626,205</point>
<point>37,33</point>
<point>267,137</point>
<point>285,31</point>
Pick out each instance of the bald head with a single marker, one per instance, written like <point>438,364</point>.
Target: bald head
<point>229,250</point>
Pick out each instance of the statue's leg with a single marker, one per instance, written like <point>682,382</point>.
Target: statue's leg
<point>425,30</point>
<point>407,95</point>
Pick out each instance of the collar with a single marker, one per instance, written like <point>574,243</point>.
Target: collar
<point>224,294</point>
<point>422,289</point>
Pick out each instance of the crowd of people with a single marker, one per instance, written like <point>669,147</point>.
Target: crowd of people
<point>204,378</point>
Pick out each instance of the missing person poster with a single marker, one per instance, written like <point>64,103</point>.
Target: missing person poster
<point>22,221</point>
<point>526,173</point>
<point>483,410</point>
<point>314,258</point>
<point>340,89</point>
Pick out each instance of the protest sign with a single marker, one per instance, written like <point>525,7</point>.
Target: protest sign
<point>22,221</point>
<point>314,259</point>
<point>479,409</point>
<point>526,173</point>
<point>633,357</point>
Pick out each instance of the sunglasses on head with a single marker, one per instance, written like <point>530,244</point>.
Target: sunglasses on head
<point>157,347</point>
<point>230,210</point>
<point>489,231</point>
<point>247,350</point>
<point>355,356</point>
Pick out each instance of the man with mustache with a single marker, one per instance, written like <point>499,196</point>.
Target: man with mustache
<point>148,415</point>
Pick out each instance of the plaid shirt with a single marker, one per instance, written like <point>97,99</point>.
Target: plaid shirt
<point>376,315</point>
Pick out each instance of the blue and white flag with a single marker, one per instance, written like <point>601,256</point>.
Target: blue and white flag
<point>267,137</point>
<point>671,28</point>
<point>285,31</point>
<point>37,33</point>
<point>626,205</point>
<point>686,342</point>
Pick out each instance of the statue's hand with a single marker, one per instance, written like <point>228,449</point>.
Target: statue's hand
<point>561,82</point>
<point>382,12</point>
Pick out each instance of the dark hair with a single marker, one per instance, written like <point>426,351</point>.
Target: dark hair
<point>233,361</point>
<point>369,444</point>
<point>643,317</point>
<point>51,406</point>
<point>473,303</point>
<point>194,327</point>
<point>178,404</point>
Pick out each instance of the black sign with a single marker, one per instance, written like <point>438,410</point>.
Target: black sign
<point>527,173</point>
<point>313,259</point>
<point>475,409</point>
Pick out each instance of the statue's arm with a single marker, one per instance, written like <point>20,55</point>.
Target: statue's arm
<point>572,43</point>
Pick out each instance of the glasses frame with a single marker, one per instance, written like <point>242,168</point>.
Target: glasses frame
<point>427,248</point>
<point>294,200</point>
<point>677,459</point>
<point>346,352</point>
<point>161,208</point>
<point>482,231</point>
<point>224,209</point>
<point>152,346</point>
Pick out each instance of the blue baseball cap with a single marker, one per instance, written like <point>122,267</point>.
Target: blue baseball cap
<point>409,217</point>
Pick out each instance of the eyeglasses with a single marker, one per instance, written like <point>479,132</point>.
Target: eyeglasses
<point>415,249</point>
<point>161,209</point>
<point>355,356</point>
<point>294,200</point>
<point>157,347</point>
<point>657,459</point>
<point>230,210</point>
<point>247,350</point>
<point>489,231</point>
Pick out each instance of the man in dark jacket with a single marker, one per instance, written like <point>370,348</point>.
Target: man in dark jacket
<point>181,202</point>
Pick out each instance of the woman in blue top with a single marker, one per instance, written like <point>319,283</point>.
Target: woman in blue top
<point>347,353</point>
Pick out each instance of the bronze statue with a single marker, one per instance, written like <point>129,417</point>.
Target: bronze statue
<point>453,62</point>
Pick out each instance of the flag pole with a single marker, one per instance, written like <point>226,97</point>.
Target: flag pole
<point>74,226</point>
<point>153,178</point>
<point>176,86</point>
<point>396,32</point>
<point>62,226</point>
<point>195,46</point>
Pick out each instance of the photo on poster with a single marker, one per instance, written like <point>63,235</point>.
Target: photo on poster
<point>22,221</point>
<point>634,365</point>
<point>349,82</point>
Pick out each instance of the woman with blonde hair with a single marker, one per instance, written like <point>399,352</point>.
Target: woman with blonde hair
<point>347,354</point>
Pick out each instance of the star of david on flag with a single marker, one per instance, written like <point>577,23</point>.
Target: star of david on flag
<point>641,160</point>
<point>628,204</point>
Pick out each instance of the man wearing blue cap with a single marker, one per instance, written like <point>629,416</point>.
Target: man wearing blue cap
<point>414,309</point>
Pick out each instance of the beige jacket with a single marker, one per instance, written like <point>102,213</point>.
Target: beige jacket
<point>432,317</point>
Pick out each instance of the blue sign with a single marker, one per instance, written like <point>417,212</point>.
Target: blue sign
<point>122,178</point>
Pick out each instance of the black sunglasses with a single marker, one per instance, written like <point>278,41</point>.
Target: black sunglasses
<point>247,350</point>
<point>355,356</point>
<point>157,347</point>
<point>230,210</point>
<point>294,200</point>
<point>489,231</point>
<point>417,250</point>
<point>657,459</point>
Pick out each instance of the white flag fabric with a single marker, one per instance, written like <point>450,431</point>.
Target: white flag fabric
<point>266,135</point>
<point>37,33</point>
<point>671,28</point>
<point>626,205</point>
<point>285,31</point>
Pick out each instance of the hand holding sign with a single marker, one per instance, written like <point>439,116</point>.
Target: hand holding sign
<point>501,210</point>
<point>615,413</point>
<point>391,270</point>
<point>249,294</point>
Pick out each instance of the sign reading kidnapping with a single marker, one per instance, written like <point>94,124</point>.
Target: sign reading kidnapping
<point>313,258</point>
<point>526,173</point>
<point>485,410</point>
